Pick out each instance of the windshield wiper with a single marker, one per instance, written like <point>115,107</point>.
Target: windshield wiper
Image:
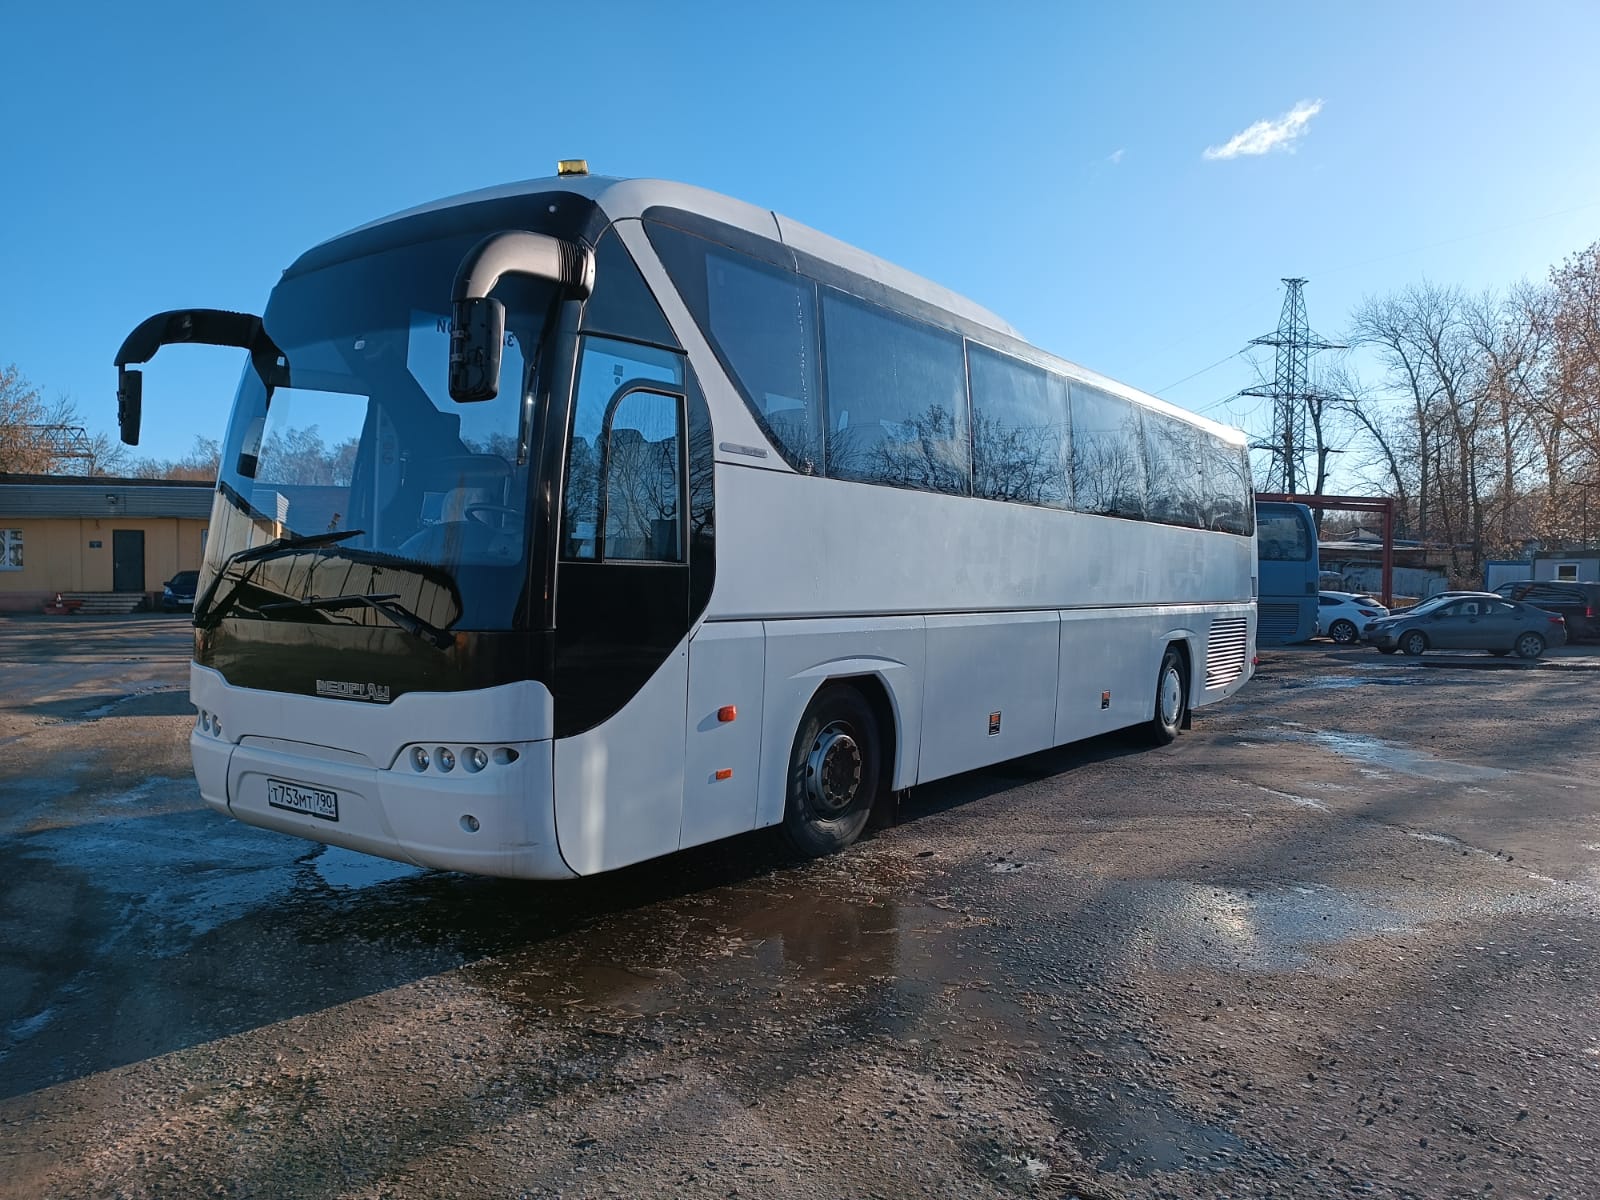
<point>202,604</point>
<point>387,603</point>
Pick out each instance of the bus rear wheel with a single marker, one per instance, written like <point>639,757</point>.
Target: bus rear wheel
<point>834,773</point>
<point>1172,699</point>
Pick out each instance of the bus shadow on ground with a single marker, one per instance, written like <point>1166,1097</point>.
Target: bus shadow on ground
<point>190,927</point>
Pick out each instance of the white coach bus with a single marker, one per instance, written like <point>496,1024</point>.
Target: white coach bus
<point>566,524</point>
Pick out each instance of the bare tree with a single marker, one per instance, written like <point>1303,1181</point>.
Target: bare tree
<point>1379,443</point>
<point>202,462</point>
<point>1422,338</point>
<point>40,437</point>
<point>1575,344</point>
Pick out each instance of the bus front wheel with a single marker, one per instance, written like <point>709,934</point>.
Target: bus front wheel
<point>1172,699</point>
<point>834,772</point>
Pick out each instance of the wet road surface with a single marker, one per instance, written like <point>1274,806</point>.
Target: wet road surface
<point>1339,939</point>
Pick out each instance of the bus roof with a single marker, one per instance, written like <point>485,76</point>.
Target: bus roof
<point>630,198</point>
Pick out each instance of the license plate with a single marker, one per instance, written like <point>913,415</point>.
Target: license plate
<point>297,797</point>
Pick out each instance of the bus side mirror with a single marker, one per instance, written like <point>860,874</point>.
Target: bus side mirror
<point>130,404</point>
<point>477,339</point>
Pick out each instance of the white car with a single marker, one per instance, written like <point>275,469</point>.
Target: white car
<point>1343,615</point>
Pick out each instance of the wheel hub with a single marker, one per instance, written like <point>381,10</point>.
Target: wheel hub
<point>833,770</point>
<point>1171,698</point>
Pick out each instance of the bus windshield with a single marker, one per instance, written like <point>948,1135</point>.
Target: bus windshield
<point>359,437</point>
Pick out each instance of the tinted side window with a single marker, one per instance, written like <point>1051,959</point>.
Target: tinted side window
<point>1174,453</point>
<point>1107,458</point>
<point>643,475</point>
<point>761,322</point>
<point>897,399</point>
<point>622,303</point>
<point>1227,476</point>
<point>606,373</point>
<point>1020,434</point>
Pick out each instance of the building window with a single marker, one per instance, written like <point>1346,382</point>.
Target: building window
<point>1565,572</point>
<point>10,549</point>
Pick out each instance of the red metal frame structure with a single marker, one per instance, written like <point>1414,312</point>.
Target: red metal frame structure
<point>1363,504</point>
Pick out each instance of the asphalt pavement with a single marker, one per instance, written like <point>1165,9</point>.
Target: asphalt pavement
<point>1339,939</point>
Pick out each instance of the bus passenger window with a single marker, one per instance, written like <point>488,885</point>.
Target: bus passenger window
<point>1107,454</point>
<point>1020,440</point>
<point>897,399</point>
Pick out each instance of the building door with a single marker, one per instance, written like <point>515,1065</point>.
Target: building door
<point>127,560</point>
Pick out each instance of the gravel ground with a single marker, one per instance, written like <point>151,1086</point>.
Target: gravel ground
<point>1340,939</point>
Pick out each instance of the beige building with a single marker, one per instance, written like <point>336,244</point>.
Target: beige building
<point>77,535</point>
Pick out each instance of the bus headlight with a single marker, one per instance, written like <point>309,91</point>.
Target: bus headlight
<point>447,761</point>
<point>475,760</point>
<point>419,758</point>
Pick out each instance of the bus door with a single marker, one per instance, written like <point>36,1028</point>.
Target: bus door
<point>620,658</point>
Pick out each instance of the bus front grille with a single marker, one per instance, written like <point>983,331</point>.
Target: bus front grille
<point>1225,651</point>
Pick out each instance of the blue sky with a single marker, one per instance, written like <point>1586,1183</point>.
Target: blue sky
<point>1045,159</point>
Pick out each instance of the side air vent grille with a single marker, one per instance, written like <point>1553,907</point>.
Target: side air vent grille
<point>1225,651</point>
<point>1277,624</point>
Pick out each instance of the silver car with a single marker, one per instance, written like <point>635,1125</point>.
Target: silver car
<point>1482,621</point>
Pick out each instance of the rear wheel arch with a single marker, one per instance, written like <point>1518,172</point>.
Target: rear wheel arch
<point>1162,727</point>
<point>838,768</point>
<point>876,693</point>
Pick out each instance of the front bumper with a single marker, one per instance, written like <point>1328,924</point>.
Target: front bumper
<point>496,821</point>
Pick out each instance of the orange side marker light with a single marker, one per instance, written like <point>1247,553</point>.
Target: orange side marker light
<point>725,773</point>
<point>727,712</point>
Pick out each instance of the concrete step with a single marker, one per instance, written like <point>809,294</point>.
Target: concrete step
<point>105,603</point>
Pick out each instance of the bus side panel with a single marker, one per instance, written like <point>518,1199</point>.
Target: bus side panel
<point>802,655</point>
<point>727,663</point>
<point>794,546</point>
<point>1109,662</point>
<point>619,786</point>
<point>991,690</point>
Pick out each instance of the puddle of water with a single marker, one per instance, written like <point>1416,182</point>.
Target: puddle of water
<point>1253,929</point>
<point>155,689</point>
<point>1403,759</point>
<point>1143,1134</point>
<point>342,868</point>
<point>28,1026</point>
<point>1298,801</point>
<point>1380,755</point>
<point>1333,683</point>
<point>181,875</point>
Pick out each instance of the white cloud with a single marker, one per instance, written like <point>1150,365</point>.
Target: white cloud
<point>1115,157</point>
<point>1266,136</point>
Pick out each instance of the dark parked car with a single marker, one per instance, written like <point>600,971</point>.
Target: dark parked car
<point>1579,603</point>
<point>1483,621</point>
<point>177,594</point>
<point>1405,608</point>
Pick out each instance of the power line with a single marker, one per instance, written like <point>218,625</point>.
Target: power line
<point>1198,373</point>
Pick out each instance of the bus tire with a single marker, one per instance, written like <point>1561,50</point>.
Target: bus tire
<point>1172,699</point>
<point>834,773</point>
